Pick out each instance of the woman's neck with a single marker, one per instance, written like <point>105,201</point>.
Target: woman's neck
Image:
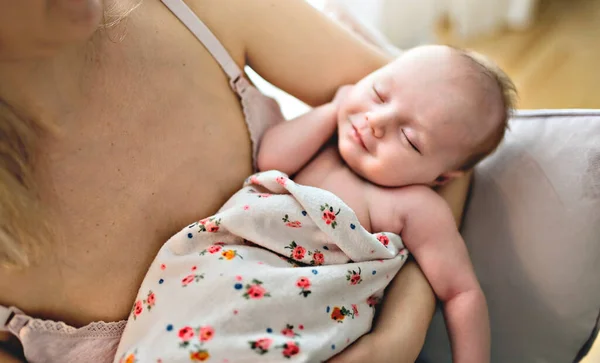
<point>46,89</point>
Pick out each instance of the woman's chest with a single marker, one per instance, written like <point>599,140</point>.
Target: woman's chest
<point>160,145</point>
<point>164,133</point>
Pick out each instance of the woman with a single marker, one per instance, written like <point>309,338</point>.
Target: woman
<point>119,127</point>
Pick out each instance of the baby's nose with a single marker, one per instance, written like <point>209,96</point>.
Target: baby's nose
<point>376,122</point>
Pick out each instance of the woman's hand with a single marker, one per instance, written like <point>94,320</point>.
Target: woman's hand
<point>372,348</point>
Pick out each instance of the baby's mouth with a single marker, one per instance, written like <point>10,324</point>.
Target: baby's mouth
<point>357,137</point>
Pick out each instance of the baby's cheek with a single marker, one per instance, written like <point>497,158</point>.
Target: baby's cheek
<point>343,146</point>
<point>356,101</point>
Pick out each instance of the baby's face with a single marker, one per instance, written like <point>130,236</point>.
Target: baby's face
<point>415,120</point>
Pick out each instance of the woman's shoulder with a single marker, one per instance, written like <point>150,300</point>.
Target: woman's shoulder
<point>227,21</point>
<point>290,44</point>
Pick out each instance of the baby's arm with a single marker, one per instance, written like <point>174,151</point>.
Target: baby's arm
<point>289,145</point>
<point>429,232</point>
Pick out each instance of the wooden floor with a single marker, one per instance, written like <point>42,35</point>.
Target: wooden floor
<point>554,64</point>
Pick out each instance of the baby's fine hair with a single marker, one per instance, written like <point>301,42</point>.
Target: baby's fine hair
<point>509,98</point>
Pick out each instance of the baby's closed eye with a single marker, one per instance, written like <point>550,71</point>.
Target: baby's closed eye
<point>378,97</point>
<point>412,145</point>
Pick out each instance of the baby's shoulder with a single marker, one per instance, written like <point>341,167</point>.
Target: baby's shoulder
<point>390,208</point>
<point>411,193</point>
<point>413,198</point>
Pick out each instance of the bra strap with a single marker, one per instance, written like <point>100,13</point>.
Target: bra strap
<point>12,320</point>
<point>207,38</point>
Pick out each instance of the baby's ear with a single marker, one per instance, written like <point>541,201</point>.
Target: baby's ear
<point>447,176</point>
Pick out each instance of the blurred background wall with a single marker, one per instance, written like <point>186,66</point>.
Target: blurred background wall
<point>549,47</point>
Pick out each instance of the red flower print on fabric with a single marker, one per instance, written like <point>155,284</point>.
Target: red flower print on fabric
<point>289,332</point>
<point>187,280</point>
<point>261,346</point>
<point>317,258</point>
<point>150,300</point>
<point>214,249</point>
<point>372,301</point>
<point>298,252</point>
<point>354,276</point>
<point>290,223</point>
<point>256,291</point>
<point>210,225</point>
<point>355,309</point>
<point>329,215</point>
<point>193,277</point>
<point>186,333</point>
<point>383,239</point>
<point>290,349</point>
<point>206,333</point>
<point>304,284</point>
<point>138,308</point>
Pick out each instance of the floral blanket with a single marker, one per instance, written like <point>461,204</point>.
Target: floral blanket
<point>281,272</point>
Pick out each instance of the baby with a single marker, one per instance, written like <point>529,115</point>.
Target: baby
<point>422,120</point>
<point>300,289</point>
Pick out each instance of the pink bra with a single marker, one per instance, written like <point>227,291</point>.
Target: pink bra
<point>50,341</point>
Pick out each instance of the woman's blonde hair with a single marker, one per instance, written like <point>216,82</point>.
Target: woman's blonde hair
<point>24,225</point>
<point>20,209</point>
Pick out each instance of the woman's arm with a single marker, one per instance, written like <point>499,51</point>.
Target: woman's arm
<point>301,51</point>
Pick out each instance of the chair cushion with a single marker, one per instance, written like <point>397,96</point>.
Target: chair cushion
<point>532,226</point>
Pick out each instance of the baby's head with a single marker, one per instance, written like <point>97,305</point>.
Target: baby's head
<point>425,118</point>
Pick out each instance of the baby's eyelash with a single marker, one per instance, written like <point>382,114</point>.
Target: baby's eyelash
<point>411,144</point>
<point>377,94</point>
